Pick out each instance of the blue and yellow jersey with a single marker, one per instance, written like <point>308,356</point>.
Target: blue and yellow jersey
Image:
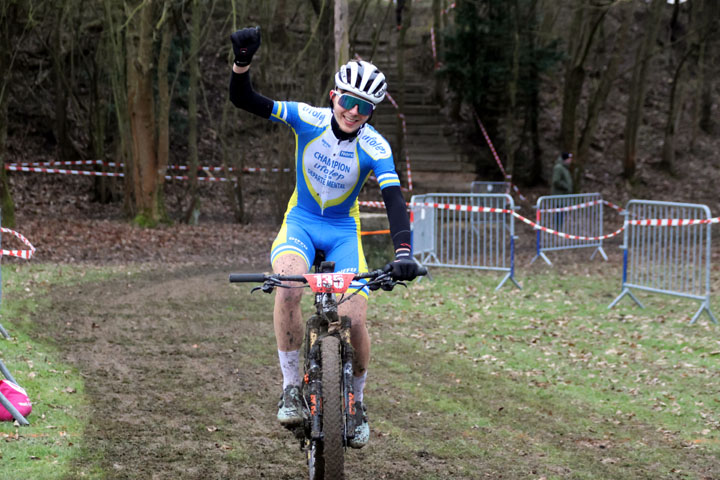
<point>329,172</point>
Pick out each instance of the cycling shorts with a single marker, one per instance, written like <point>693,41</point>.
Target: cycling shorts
<point>302,233</point>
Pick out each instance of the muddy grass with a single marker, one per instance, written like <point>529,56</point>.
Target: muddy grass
<point>181,375</point>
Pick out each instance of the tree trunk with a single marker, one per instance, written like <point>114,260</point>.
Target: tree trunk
<point>585,24</point>
<point>342,41</point>
<point>533,107</point>
<point>511,130</point>
<point>115,56</point>
<point>64,150</point>
<point>710,13</point>
<point>682,48</point>
<point>438,96</point>
<point>325,67</point>
<point>399,90</point>
<point>97,124</point>
<point>163,110</point>
<point>8,16</point>
<point>599,97</point>
<point>193,210</point>
<point>141,109</point>
<point>637,87</point>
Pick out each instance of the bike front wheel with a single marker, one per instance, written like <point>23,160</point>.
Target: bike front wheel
<point>333,448</point>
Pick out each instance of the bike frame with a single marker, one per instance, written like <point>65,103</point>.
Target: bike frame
<point>325,330</point>
<point>326,321</point>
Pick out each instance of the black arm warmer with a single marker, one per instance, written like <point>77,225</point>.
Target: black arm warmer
<point>397,217</point>
<point>243,96</point>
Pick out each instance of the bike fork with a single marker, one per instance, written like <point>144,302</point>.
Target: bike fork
<point>315,393</point>
<point>347,369</point>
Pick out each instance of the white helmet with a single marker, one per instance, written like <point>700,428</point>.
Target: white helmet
<point>363,79</point>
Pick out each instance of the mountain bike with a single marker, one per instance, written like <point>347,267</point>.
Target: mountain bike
<point>327,388</point>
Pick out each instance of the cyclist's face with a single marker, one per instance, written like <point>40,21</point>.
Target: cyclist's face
<point>348,120</point>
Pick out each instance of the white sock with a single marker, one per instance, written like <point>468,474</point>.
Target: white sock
<point>359,386</point>
<point>290,363</point>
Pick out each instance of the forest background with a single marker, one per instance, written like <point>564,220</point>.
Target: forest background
<point>629,86</point>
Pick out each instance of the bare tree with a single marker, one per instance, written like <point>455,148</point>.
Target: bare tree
<point>681,48</point>
<point>342,40</point>
<point>599,96</point>
<point>638,86</point>
<point>193,208</point>
<point>587,18</point>
<point>708,17</point>
<point>9,14</point>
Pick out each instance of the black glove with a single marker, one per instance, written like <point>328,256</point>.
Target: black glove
<point>245,42</point>
<point>403,268</point>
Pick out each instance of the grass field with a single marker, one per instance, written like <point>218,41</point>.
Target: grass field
<point>465,382</point>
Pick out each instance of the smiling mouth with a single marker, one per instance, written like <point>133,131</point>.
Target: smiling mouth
<point>350,120</point>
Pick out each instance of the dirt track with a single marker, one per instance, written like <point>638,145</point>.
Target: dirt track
<point>183,384</point>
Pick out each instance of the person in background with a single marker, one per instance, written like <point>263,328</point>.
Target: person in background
<point>562,182</point>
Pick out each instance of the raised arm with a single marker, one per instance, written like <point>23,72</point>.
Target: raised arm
<point>245,43</point>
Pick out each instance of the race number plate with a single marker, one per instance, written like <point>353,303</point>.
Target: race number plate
<point>329,282</point>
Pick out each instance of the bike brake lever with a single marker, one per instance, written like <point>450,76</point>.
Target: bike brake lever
<point>389,284</point>
<point>268,286</point>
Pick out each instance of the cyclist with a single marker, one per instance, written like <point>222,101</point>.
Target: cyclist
<point>336,151</point>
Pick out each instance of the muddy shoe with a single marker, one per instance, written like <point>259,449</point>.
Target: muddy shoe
<point>362,431</point>
<point>290,407</point>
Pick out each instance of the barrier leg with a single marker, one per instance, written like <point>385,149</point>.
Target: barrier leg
<point>704,307</point>
<point>541,255</point>
<point>7,373</point>
<point>505,279</point>
<point>626,291</point>
<point>602,252</point>
<point>4,332</point>
<point>511,274</point>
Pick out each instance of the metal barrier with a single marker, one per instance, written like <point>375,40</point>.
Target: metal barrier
<point>460,231</point>
<point>579,215</point>
<point>491,187</point>
<point>675,259</point>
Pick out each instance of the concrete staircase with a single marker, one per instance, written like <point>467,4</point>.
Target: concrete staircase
<point>437,163</point>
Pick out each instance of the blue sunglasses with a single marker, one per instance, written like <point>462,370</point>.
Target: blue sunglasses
<point>348,102</point>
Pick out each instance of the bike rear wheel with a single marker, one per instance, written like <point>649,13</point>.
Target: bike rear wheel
<point>333,448</point>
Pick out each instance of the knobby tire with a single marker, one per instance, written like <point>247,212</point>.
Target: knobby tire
<point>333,422</point>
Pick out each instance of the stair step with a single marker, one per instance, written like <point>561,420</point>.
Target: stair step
<point>430,130</point>
<point>410,110</point>
<point>446,182</point>
<point>438,166</point>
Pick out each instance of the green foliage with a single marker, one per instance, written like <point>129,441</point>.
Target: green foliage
<point>480,59</point>
<point>48,446</point>
<point>145,220</point>
<point>547,377</point>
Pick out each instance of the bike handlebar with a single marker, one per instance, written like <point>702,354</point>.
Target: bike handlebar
<point>247,277</point>
<point>261,277</point>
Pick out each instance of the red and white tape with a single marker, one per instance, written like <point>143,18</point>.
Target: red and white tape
<point>475,209</point>
<point>673,222</point>
<point>508,178</point>
<point>434,48</point>
<point>89,173</point>
<point>43,167</point>
<point>591,203</point>
<point>26,254</point>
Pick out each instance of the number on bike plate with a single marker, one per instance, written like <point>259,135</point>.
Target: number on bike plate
<point>329,282</point>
